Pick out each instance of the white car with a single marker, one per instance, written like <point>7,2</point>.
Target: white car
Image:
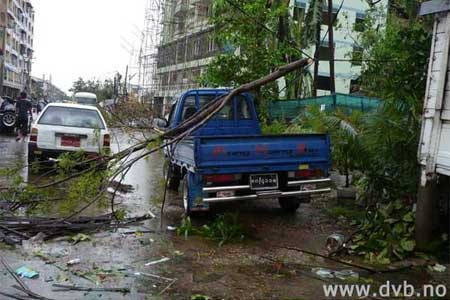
<point>63,127</point>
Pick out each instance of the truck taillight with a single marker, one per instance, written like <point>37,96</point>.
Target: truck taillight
<point>306,173</point>
<point>221,178</point>
<point>33,135</point>
<point>106,140</point>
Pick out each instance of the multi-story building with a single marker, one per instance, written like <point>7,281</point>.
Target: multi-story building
<point>187,45</point>
<point>42,88</point>
<point>16,45</point>
<point>350,16</point>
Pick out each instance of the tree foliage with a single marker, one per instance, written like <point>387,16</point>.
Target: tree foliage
<point>104,90</point>
<point>256,37</point>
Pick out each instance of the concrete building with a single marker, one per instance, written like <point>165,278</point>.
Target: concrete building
<point>187,45</point>
<point>186,48</point>
<point>347,28</point>
<point>44,88</point>
<point>16,45</point>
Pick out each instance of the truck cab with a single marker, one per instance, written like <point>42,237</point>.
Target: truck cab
<point>228,159</point>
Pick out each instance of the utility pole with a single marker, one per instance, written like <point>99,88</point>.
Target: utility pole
<point>331,46</point>
<point>125,92</point>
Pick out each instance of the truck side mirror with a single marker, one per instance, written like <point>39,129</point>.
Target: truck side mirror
<point>160,123</point>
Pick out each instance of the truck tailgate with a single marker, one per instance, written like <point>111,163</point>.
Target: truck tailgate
<point>262,152</point>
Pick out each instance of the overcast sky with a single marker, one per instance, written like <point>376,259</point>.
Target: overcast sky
<point>84,38</point>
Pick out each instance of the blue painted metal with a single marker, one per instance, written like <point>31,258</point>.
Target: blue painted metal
<point>237,147</point>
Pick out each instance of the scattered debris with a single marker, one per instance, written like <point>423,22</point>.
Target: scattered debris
<point>80,237</point>
<point>22,228</point>
<point>26,272</point>
<point>153,276</point>
<point>120,187</point>
<point>73,262</point>
<point>346,274</point>
<point>335,241</point>
<point>21,285</point>
<point>164,259</point>
<point>437,268</point>
<point>65,288</point>
<point>341,274</point>
<point>171,228</point>
<point>34,244</point>
<point>324,273</point>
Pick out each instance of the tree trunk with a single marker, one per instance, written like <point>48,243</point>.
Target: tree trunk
<point>316,60</point>
<point>424,214</point>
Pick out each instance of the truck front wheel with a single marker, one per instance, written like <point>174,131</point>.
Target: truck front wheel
<point>289,204</point>
<point>173,181</point>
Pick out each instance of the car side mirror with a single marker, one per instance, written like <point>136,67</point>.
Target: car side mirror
<point>160,123</point>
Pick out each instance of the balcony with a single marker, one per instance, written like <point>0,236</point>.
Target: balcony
<point>181,7</point>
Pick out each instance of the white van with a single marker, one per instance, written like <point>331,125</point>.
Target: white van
<point>85,98</point>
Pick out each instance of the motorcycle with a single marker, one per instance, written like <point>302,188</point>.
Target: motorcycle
<point>7,114</point>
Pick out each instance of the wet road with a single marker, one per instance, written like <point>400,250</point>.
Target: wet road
<point>256,268</point>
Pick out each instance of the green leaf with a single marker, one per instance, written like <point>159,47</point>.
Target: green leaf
<point>408,217</point>
<point>408,245</point>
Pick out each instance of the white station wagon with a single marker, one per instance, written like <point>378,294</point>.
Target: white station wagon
<point>63,127</point>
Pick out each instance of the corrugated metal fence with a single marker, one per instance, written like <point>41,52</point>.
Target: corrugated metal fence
<point>290,109</point>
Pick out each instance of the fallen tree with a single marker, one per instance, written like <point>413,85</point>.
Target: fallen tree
<point>118,166</point>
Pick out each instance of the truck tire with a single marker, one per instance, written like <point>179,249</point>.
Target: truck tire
<point>173,181</point>
<point>289,204</point>
<point>185,193</point>
<point>8,120</point>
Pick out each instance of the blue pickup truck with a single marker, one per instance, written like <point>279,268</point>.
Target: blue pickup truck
<point>228,159</point>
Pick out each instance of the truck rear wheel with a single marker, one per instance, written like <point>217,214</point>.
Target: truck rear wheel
<point>289,204</point>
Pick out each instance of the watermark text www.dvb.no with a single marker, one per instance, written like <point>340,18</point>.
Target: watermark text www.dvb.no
<point>386,290</point>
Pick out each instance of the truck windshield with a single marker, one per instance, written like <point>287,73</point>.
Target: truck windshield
<point>226,113</point>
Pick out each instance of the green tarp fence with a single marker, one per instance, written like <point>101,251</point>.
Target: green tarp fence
<point>290,109</point>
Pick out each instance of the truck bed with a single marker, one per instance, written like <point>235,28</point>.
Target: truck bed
<point>255,153</point>
<point>434,147</point>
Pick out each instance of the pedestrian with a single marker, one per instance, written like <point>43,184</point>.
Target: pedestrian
<point>23,108</point>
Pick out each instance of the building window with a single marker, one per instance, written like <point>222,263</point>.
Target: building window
<point>355,85</point>
<point>324,53</point>
<point>211,44</point>
<point>359,22</point>
<point>325,16</point>
<point>323,83</point>
<point>299,11</point>
<point>357,55</point>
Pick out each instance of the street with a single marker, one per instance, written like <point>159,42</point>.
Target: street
<point>260,267</point>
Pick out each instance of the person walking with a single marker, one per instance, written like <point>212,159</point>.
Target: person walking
<point>23,108</point>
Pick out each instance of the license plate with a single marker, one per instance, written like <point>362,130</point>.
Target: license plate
<point>70,141</point>
<point>264,181</point>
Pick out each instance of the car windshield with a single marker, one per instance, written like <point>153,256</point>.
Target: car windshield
<point>72,117</point>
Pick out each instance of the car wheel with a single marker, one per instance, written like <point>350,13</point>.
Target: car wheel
<point>35,163</point>
<point>173,182</point>
<point>185,192</point>
<point>8,120</point>
<point>289,204</point>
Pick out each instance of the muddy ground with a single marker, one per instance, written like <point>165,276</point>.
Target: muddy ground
<point>259,267</point>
